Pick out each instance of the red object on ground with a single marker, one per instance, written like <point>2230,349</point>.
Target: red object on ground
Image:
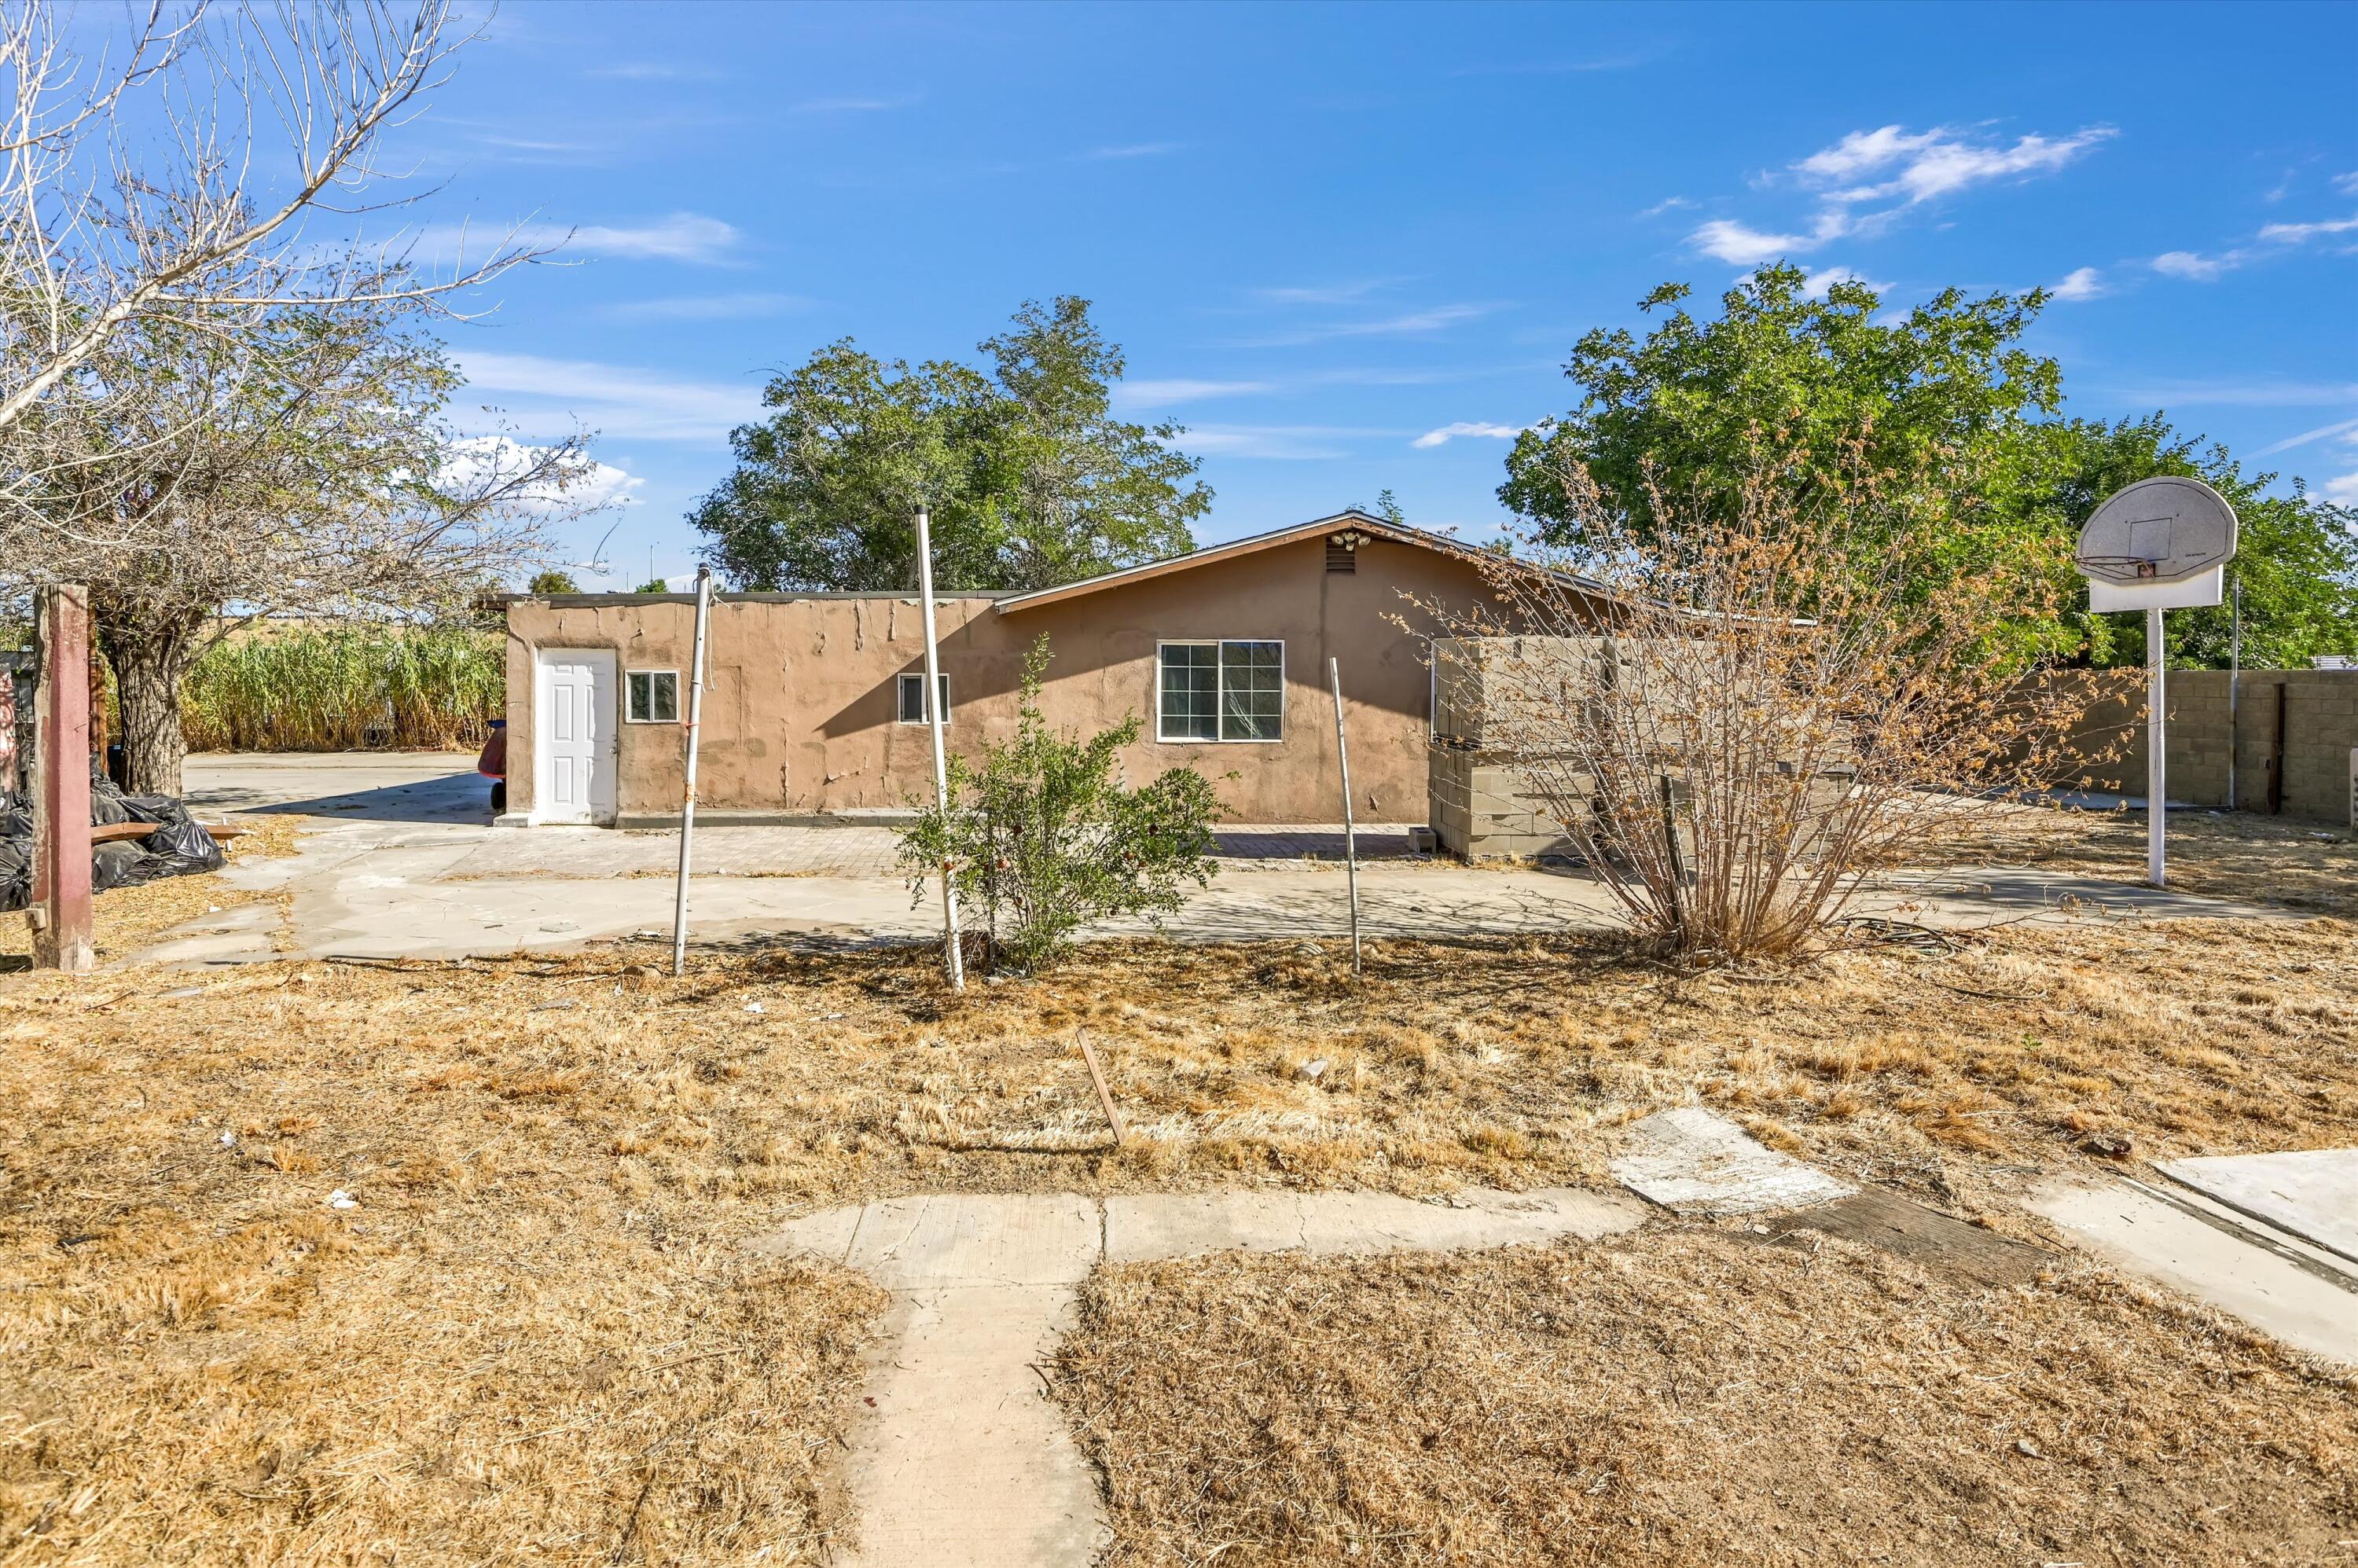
<point>60,903</point>
<point>493,762</point>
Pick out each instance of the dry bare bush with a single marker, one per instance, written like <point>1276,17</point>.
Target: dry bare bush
<point>1738,712</point>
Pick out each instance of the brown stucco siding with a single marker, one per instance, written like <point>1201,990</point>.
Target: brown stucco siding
<point>801,700</point>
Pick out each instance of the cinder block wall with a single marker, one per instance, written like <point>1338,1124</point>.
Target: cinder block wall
<point>1481,810</point>
<point>2296,726</point>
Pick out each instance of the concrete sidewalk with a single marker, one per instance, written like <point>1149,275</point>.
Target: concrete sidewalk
<point>957,1460</point>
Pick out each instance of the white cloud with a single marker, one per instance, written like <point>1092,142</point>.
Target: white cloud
<point>650,71</point>
<point>2248,395</point>
<point>707,306</point>
<point>1668,204</point>
<point>2306,436</point>
<point>1145,395</point>
<point>549,397</point>
<point>1135,149</point>
<point>856,106</point>
<point>479,457</point>
<point>2079,283</point>
<point>2195,267</point>
<point>1926,164</point>
<point>1740,246</point>
<point>1863,152</point>
<point>2341,489</point>
<point>1414,323</point>
<point>1320,293</point>
<point>1466,427</point>
<point>1821,279</point>
<point>2297,233</point>
<point>1894,164</point>
<point>1290,442</point>
<point>682,237</point>
<point>2347,183</point>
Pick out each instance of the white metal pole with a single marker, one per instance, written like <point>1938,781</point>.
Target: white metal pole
<point>955,960</point>
<point>2155,797</point>
<point>687,794</point>
<point>2235,680</point>
<point>1350,835</point>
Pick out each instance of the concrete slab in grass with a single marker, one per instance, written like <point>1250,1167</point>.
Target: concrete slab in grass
<point>2138,1232</point>
<point>1185,1224</point>
<point>1693,1162</point>
<point>2312,1193</point>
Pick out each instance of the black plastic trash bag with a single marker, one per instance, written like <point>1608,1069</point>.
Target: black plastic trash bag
<point>116,865</point>
<point>180,846</point>
<point>16,871</point>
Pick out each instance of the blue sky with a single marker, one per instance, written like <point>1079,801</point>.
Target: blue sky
<point>1350,247</point>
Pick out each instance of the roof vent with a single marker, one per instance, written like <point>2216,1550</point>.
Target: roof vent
<point>1343,550</point>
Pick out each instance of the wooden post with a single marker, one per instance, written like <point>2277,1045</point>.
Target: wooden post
<point>1105,1096</point>
<point>61,911</point>
<point>1678,869</point>
<point>1350,834</point>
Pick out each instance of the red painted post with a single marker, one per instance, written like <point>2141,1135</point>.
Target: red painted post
<point>60,906</point>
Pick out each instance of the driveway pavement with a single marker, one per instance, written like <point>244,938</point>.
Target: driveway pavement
<point>403,862</point>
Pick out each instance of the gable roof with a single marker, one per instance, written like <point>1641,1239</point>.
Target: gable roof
<point>1351,518</point>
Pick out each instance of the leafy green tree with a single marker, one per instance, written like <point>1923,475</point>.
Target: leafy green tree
<point>1042,837</point>
<point>1948,414</point>
<point>551,580</point>
<point>2296,558</point>
<point>1029,478</point>
<point>652,585</point>
<point>1816,379</point>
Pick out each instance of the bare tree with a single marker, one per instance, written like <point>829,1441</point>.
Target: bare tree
<point>1739,717</point>
<point>134,188</point>
<point>301,462</point>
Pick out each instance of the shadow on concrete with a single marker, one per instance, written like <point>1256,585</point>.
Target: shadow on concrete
<point>461,798</point>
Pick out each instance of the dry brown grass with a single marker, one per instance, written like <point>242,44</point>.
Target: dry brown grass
<point>521,1344</point>
<point>1692,1396</point>
<point>128,919</point>
<point>2304,865</point>
<point>536,1335</point>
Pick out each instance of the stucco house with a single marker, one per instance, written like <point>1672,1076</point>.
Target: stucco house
<point>813,706</point>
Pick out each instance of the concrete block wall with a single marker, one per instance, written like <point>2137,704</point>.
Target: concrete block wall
<point>2309,755</point>
<point>1480,809</point>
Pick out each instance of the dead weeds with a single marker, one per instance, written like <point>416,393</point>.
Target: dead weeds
<point>2305,865</point>
<point>535,1334</point>
<point>1685,1395</point>
<point>127,919</point>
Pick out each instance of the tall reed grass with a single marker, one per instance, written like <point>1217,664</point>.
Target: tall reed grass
<point>346,688</point>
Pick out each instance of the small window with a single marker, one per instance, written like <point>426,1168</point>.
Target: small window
<point>652,696</point>
<point>912,699</point>
<point>1221,691</point>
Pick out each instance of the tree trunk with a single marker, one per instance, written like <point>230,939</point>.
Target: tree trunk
<point>148,664</point>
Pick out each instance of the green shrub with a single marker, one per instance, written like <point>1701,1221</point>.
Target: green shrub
<point>345,689</point>
<point>1041,837</point>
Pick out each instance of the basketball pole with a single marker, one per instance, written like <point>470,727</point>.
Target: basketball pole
<point>2156,801</point>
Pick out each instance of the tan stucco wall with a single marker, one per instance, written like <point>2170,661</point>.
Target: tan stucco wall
<point>799,709</point>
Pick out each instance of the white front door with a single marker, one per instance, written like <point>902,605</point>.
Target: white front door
<point>573,739</point>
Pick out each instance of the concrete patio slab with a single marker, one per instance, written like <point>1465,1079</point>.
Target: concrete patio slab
<point>404,863</point>
<point>1693,1162</point>
<point>2160,1241</point>
<point>2312,1193</point>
